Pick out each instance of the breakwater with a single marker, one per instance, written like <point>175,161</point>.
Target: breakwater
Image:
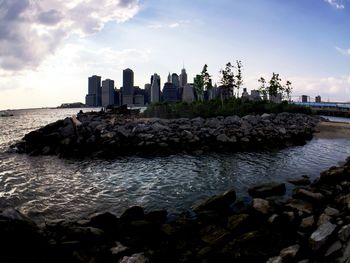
<point>311,226</point>
<point>105,135</point>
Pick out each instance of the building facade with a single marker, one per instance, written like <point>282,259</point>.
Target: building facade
<point>107,92</point>
<point>155,88</point>
<point>94,96</point>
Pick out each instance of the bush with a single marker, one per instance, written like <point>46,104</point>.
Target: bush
<point>213,108</point>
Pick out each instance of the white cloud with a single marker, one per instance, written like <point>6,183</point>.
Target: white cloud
<point>336,4</point>
<point>31,30</point>
<point>345,52</point>
<point>169,25</point>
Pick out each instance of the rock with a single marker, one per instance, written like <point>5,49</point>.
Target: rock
<point>118,249</point>
<point>321,235</point>
<point>323,219</point>
<point>266,116</point>
<point>307,222</point>
<point>222,138</point>
<point>289,252</point>
<point>217,202</point>
<point>135,258</point>
<point>301,181</point>
<point>300,206</point>
<point>105,221</point>
<point>344,233</point>
<point>214,235</point>
<point>308,195</point>
<point>261,205</point>
<point>331,211</point>
<point>158,216</point>
<point>277,259</point>
<point>236,222</point>
<point>267,190</point>
<point>133,213</point>
<point>333,249</point>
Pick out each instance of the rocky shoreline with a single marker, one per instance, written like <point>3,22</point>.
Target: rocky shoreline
<point>103,134</point>
<point>313,225</point>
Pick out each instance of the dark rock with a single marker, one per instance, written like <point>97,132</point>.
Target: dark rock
<point>105,221</point>
<point>158,216</point>
<point>133,213</point>
<point>262,206</point>
<point>267,190</point>
<point>301,181</point>
<point>308,196</point>
<point>217,202</point>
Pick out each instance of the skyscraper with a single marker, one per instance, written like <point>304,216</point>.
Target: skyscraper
<point>93,98</point>
<point>183,78</point>
<point>169,92</point>
<point>128,82</point>
<point>107,92</point>
<point>155,88</point>
<point>175,80</point>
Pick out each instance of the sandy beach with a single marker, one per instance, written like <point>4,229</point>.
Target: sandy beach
<point>333,130</point>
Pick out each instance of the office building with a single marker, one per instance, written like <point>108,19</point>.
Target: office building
<point>107,92</point>
<point>128,82</point>
<point>318,99</point>
<point>188,93</point>
<point>94,96</point>
<point>183,78</point>
<point>304,98</point>
<point>169,92</point>
<point>155,88</point>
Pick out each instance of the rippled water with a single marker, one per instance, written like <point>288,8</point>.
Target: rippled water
<point>47,187</point>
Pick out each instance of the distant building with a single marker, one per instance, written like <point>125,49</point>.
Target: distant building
<point>304,98</point>
<point>245,94</point>
<point>94,96</point>
<point>169,92</point>
<point>128,100</point>
<point>183,78</point>
<point>117,97</point>
<point>107,92</point>
<point>277,98</point>
<point>255,95</point>
<point>169,78</point>
<point>139,100</point>
<point>188,93</point>
<point>128,82</point>
<point>147,93</point>
<point>318,99</point>
<point>155,88</point>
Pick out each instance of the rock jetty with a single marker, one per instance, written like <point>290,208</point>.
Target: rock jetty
<point>312,225</point>
<point>103,134</point>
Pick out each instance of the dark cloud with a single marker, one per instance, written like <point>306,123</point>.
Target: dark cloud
<point>31,30</point>
<point>50,17</point>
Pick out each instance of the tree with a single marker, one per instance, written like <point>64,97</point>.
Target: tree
<point>227,78</point>
<point>288,89</point>
<point>262,88</point>
<point>206,78</point>
<point>239,79</point>
<point>275,85</point>
<point>199,86</point>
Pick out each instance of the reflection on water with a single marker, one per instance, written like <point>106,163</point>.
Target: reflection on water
<point>47,187</point>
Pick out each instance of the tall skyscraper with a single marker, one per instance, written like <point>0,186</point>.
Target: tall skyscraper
<point>169,92</point>
<point>128,82</point>
<point>155,88</point>
<point>94,96</point>
<point>175,80</point>
<point>107,92</point>
<point>183,78</point>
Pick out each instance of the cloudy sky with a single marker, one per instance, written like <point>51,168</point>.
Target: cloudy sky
<point>48,48</point>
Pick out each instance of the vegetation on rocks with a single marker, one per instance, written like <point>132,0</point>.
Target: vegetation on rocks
<point>213,108</point>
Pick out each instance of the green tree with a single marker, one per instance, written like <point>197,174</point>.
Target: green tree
<point>239,78</point>
<point>206,78</point>
<point>288,89</point>
<point>199,86</point>
<point>227,79</point>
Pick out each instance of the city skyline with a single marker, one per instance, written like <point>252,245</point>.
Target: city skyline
<point>48,49</point>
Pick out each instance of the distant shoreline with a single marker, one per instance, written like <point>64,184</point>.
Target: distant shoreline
<point>332,130</point>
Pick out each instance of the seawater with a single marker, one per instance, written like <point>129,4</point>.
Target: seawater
<point>47,187</point>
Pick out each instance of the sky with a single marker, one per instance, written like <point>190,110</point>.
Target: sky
<point>49,48</point>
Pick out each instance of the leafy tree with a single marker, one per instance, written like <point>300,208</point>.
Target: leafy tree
<point>206,78</point>
<point>275,85</point>
<point>262,88</point>
<point>227,78</point>
<point>239,79</point>
<point>288,89</point>
<point>199,86</point>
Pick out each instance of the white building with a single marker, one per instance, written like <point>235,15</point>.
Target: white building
<point>188,94</point>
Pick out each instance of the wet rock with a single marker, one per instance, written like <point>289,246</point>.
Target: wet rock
<point>267,190</point>
<point>135,258</point>
<point>301,181</point>
<point>277,259</point>
<point>237,222</point>
<point>290,252</point>
<point>158,216</point>
<point>323,218</point>
<point>214,235</point>
<point>262,206</point>
<point>321,235</point>
<point>105,221</point>
<point>308,195</point>
<point>217,202</point>
<point>132,214</point>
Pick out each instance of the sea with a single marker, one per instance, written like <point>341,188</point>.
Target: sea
<point>49,188</point>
